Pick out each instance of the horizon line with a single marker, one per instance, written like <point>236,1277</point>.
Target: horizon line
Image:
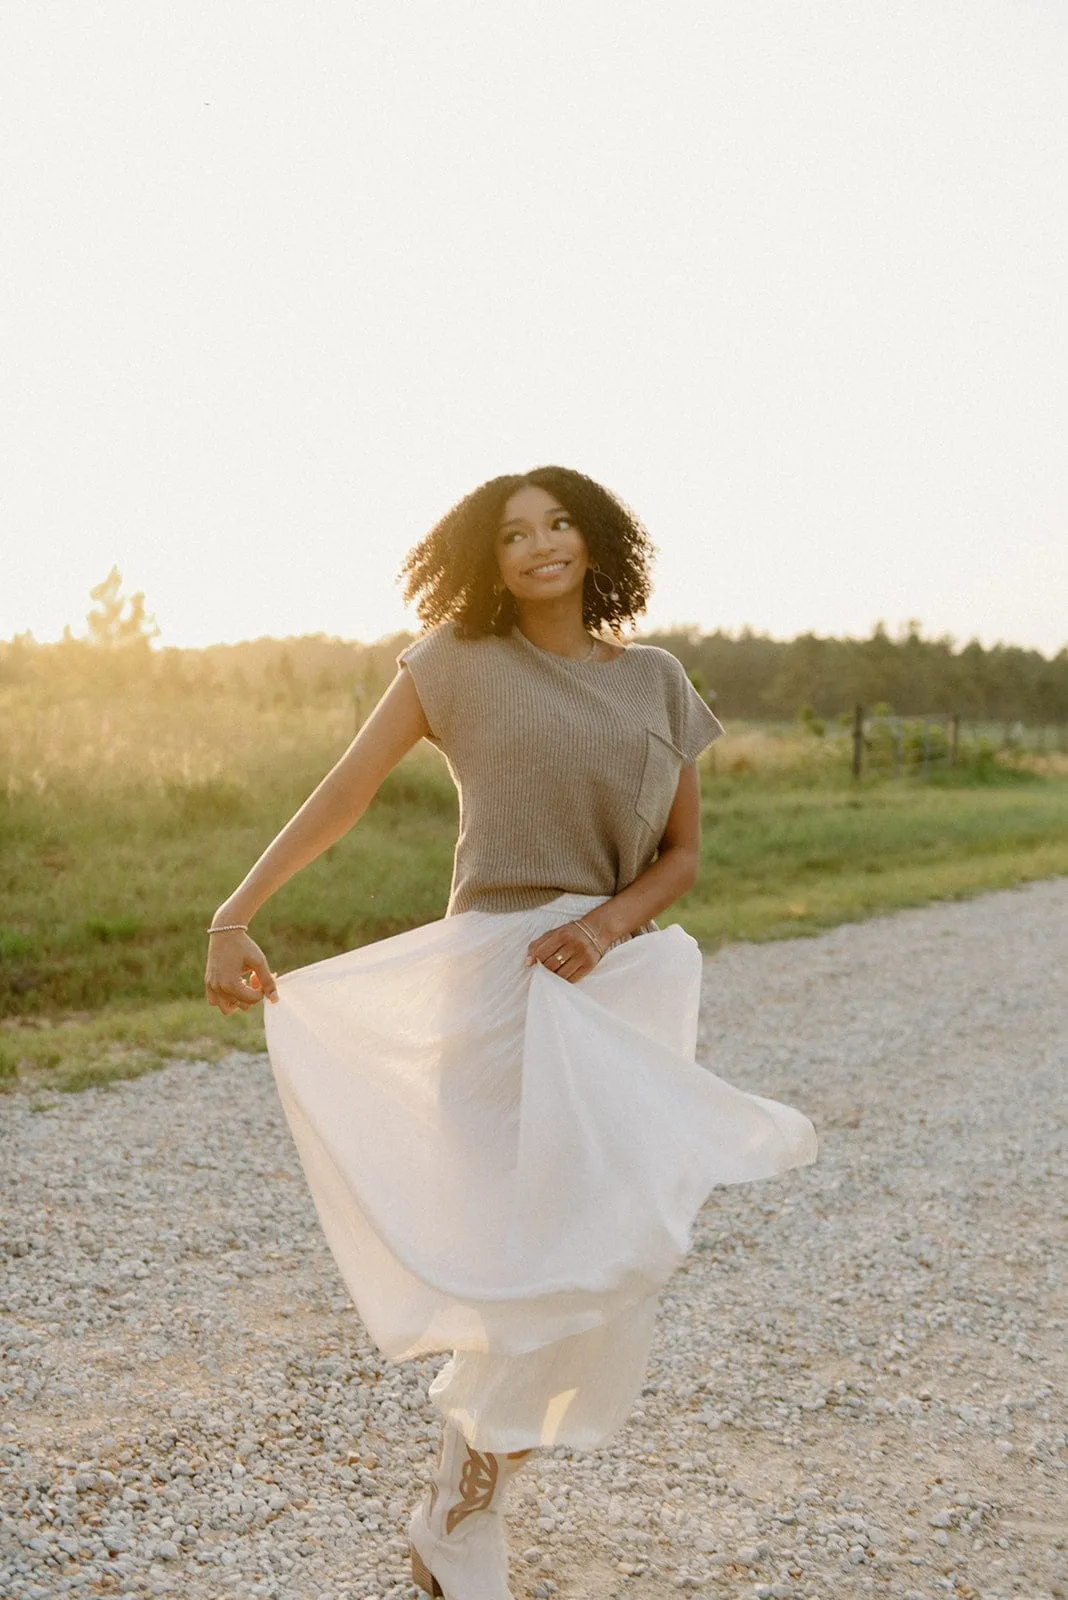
<point>902,631</point>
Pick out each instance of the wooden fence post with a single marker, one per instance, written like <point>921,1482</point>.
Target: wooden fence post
<point>858,740</point>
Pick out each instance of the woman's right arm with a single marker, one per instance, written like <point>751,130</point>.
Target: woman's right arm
<point>394,726</point>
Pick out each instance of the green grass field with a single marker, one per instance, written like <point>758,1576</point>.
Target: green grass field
<point>122,826</point>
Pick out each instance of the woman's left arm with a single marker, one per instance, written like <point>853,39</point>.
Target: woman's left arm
<point>672,873</point>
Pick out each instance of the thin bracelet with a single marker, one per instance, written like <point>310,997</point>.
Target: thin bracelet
<point>590,935</point>
<point>230,927</point>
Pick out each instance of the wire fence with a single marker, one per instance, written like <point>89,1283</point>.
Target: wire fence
<point>922,744</point>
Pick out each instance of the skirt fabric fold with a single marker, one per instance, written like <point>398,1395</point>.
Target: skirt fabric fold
<point>508,1166</point>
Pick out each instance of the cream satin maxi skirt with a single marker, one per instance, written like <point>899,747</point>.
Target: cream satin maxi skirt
<point>508,1166</point>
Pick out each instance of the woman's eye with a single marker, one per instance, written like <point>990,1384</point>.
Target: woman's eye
<point>561,522</point>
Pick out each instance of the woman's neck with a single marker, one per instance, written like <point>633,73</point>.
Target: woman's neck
<point>556,627</point>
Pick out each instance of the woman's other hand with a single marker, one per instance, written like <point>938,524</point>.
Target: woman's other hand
<point>230,957</point>
<point>566,951</point>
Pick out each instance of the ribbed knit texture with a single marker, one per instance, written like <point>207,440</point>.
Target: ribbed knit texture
<point>566,769</point>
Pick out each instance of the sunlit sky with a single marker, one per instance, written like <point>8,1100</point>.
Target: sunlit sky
<point>282,281</point>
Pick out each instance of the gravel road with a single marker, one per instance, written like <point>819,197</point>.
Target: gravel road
<point>857,1387</point>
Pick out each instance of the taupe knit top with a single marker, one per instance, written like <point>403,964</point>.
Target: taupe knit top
<point>566,769</point>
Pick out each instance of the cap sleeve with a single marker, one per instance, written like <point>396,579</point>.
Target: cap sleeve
<point>431,661</point>
<point>693,726</point>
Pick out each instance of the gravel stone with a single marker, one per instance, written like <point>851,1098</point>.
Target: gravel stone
<point>857,1384</point>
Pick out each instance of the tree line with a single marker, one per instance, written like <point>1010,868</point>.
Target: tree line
<point>753,676</point>
<point>744,674</point>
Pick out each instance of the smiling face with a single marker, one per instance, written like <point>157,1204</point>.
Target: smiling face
<point>541,555</point>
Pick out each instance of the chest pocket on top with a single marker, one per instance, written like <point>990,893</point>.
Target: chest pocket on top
<point>660,779</point>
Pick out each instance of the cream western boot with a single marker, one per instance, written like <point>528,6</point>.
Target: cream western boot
<point>459,1551</point>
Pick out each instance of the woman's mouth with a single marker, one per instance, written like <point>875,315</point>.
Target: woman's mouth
<point>547,569</point>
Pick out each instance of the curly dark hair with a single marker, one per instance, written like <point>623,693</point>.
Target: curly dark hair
<point>452,573</point>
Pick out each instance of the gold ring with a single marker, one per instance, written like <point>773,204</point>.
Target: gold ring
<point>559,959</point>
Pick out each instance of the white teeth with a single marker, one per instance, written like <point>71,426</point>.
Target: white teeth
<point>551,566</point>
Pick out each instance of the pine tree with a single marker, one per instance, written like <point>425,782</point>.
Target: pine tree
<point>119,621</point>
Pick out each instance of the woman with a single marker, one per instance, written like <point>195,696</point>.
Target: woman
<point>498,1114</point>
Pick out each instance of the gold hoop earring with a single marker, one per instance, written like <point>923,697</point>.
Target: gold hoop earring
<point>611,593</point>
